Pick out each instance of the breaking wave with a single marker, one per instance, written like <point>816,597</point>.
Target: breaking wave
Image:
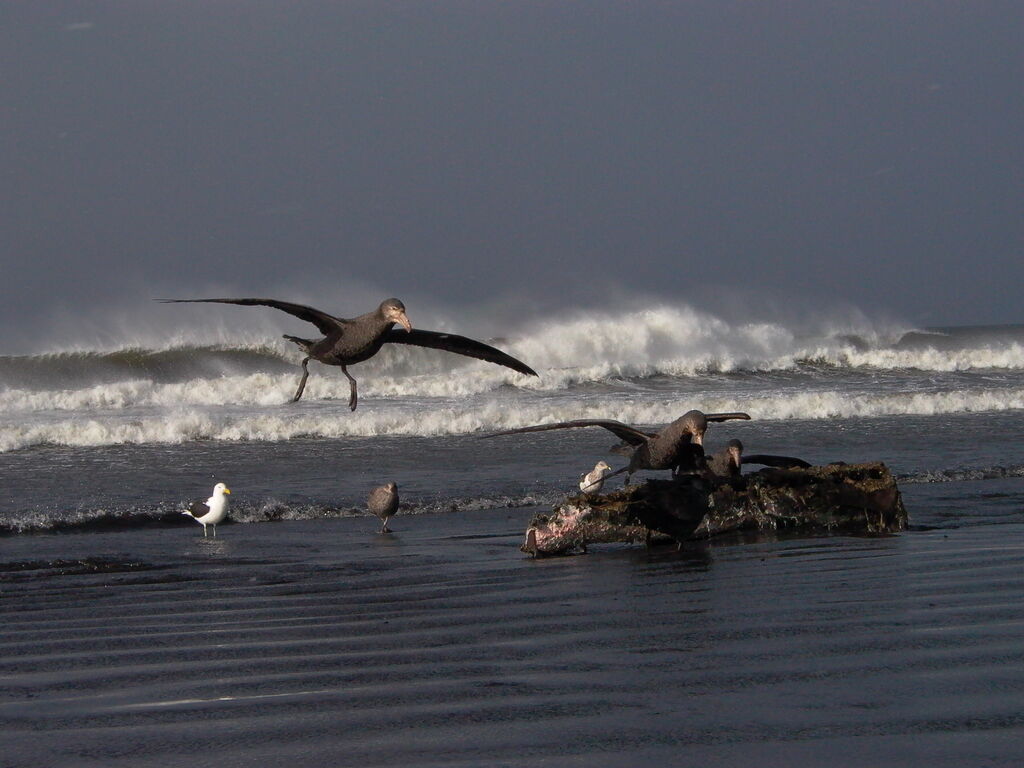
<point>402,418</point>
<point>587,348</point>
<point>108,518</point>
<point>961,474</point>
<point>640,366</point>
<point>266,511</point>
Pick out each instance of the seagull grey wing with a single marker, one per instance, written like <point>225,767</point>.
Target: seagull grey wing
<point>625,432</point>
<point>783,462</point>
<point>326,323</point>
<point>460,345</point>
<point>727,416</point>
<point>198,508</point>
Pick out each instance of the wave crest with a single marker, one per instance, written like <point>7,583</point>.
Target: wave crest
<point>333,420</point>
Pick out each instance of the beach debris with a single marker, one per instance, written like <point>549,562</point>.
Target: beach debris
<point>847,498</point>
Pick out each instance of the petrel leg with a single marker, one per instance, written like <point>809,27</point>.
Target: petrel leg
<point>302,381</point>
<point>353,398</point>
<point>384,528</point>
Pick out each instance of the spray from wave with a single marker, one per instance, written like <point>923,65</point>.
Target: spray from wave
<point>335,421</point>
<point>591,346</point>
<point>638,365</point>
<point>106,518</point>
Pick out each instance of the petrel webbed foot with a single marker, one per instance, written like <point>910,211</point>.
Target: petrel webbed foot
<point>302,381</point>
<point>353,396</point>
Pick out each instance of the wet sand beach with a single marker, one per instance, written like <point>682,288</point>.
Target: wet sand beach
<point>323,643</point>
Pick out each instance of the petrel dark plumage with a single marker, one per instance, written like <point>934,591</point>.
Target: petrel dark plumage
<point>350,341</point>
<point>677,446</point>
<point>727,462</point>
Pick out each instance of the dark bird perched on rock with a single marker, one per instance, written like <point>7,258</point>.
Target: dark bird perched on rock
<point>727,462</point>
<point>212,511</point>
<point>677,446</point>
<point>383,502</point>
<point>350,341</point>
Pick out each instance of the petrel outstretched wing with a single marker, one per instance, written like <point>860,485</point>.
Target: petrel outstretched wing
<point>460,345</point>
<point>326,323</point>
<point>783,462</point>
<point>631,435</point>
<point>727,416</point>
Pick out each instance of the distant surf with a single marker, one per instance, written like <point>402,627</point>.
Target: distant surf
<point>637,366</point>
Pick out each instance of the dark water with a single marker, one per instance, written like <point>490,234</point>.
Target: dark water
<point>301,635</point>
<point>324,643</point>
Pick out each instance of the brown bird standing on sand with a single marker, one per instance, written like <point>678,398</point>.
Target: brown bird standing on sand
<point>678,446</point>
<point>383,502</point>
<point>350,341</point>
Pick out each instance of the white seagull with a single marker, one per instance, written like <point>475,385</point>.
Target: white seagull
<point>593,481</point>
<point>213,510</point>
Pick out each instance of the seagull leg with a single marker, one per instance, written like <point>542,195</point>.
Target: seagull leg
<point>353,398</point>
<point>302,381</point>
<point>204,530</point>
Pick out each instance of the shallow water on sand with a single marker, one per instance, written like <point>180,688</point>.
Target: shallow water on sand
<point>302,635</point>
<point>324,643</point>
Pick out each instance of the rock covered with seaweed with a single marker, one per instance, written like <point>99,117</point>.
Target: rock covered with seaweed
<point>847,498</point>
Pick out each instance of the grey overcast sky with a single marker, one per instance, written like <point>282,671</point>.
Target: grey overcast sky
<point>849,153</point>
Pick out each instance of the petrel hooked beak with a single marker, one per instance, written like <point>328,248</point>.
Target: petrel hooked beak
<point>404,320</point>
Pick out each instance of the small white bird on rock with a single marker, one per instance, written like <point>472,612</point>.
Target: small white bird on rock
<point>593,481</point>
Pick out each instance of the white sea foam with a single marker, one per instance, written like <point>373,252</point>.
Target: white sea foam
<point>181,392</point>
<point>1009,357</point>
<point>335,421</point>
<point>587,348</point>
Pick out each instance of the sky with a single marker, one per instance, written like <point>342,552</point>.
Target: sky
<point>532,155</point>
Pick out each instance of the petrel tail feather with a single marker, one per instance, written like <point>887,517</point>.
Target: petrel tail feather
<point>304,344</point>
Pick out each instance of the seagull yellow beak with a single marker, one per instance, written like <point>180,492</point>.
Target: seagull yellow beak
<point>227,491</point>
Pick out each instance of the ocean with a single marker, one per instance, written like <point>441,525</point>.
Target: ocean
<point>301,633</point>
